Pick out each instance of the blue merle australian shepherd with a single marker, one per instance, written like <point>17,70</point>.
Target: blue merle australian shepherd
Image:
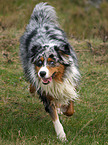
<point>50,64</point>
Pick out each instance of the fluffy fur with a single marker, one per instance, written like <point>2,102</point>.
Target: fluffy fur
<point>43,39</point>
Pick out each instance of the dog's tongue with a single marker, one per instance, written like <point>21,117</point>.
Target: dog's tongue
<point>48,80</point>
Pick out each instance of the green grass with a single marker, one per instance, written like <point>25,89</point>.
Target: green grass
<point>78,18</point>
<point>23,118</point>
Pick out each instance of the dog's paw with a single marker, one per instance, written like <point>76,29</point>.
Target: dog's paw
<point>62,137</point>
<point>59,130</point>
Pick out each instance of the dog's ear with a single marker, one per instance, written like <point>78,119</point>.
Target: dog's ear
<point>65,48</point>
<point>64,54</point>
<point>66,59</point>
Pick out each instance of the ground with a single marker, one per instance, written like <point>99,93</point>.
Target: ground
<point>23,118</point>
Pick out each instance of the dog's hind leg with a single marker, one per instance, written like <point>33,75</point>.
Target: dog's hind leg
<point>68,109</point>
<point>51,109</point>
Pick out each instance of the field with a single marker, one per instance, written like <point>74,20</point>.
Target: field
<point>23,120</point>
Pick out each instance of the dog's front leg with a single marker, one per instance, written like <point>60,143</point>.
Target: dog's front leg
<point>51,109</point>
<point>57,125</point>
<point>32,90</point>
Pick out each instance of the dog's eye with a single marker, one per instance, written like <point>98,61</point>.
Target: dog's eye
<point>39,63</point>
<point>51,62</point>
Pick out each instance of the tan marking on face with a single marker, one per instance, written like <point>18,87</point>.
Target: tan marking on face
<point>59,72</point>
<point>50,59</point>
<point>37,68</point>
<point>42,59</point>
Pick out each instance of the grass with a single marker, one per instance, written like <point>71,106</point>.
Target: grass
<point>90,21</point>
<point>23,118</point>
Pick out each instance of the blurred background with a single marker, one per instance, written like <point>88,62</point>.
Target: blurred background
<point>82,19</point>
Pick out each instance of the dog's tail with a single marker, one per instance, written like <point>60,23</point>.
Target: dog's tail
<point>44,13</point>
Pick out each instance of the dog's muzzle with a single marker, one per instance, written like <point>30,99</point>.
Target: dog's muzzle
<point>45,80</point>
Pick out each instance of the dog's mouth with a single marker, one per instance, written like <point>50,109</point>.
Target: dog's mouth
<point>46,81</point>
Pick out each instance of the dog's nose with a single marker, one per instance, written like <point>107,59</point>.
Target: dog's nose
<point>42,73</point>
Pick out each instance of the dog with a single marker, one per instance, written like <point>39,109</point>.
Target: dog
<point>50,64</point>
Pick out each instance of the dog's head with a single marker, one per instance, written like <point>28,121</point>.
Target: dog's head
<point>50,61</point>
